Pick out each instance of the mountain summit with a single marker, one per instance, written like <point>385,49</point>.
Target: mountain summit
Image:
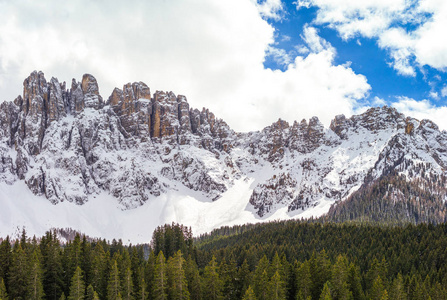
<point>71,145</point>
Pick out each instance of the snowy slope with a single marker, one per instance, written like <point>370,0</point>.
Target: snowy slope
<point>121,167</point>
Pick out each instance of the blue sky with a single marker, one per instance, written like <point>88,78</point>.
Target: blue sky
<point>363,54</point>
<point>250,62</point>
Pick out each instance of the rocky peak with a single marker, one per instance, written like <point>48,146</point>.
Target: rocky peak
<point>90,90</point>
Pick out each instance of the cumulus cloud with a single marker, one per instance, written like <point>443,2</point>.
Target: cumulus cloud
<point>212,51</point>
<point>412,31</point>
<point>422,110</point>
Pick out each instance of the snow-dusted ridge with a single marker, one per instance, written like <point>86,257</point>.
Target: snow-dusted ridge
<point>119,168</point>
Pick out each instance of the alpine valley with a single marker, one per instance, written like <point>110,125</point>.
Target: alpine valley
<point>121,166</point>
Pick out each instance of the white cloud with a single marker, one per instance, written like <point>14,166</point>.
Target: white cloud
<point>412,46</point>
<point>210,51</point>
<point>271,9</point>
<point>422,110</point>
<point>444,91</point>
<point>378,101</point>
<point>315,43</point>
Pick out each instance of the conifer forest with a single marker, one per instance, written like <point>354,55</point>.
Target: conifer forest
<point>279,260</point>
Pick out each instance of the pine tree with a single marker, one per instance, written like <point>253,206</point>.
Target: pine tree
<point>339,281</point>
<point>77,287</point>
<point>276,288</point>
<point>178,287</point>
<point>160,285</point>
<point>5,258</point>
<point>98,270</point>
<point>260,278</point>
<point>91,293</point>
<point>249,294</point>
<point>397,291</point>
<point>243,276</point>
<point>51,264</point>
<point>303,281</point>
<point>193,278</point>
<point>18,279</point>
<point>326,293</point>
<point>62,296</point>
<point>3,293</point>
<point>377,291</point>
<point>212,284</point>
<point>113,287</point>
<point>35,286</point>
<point>127,284</point>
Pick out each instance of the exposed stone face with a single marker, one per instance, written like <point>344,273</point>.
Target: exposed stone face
<point>90,89</point>
<point>133,106</point>
<point>67,145</point>
<point>56,102</point>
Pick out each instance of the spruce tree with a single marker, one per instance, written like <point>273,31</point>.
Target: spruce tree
<point>3,293</point>
<point>260,278</point>
<point>5,258</point>
<point>160,284</point>
<point>127,284</point>
<point>91,293</point>
<point>193,278</point>
<point>114,287</point>
<point>339,281</point>
<point>249,294</point>
<point>212,284</point>
<point>18,279</point>
<point>276,288</point>
<point>326,292</point>
<point>303,281</point>
<point>35,286</point>
<point>178,287</point>
<point>77,287</point>
<point>397,291</point>
<point>377,291</point>
<point>98,270</point>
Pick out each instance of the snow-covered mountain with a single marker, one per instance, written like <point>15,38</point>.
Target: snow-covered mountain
<point>119,166</point>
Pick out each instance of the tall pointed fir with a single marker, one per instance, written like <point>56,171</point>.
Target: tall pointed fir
<point>212,284</point>
<point>3,293</point>
<point>193,278</point>
<point>51,264</point>
<point>127,285</point>
<point>160,284</point>
<point>260,278</point>
<point>178,287</point>
<point>35,286</point>
<point>303,281</point>
<point>98,271</point>
<point>77,287</point>
<point>276,288</point>
<point>326,292</point>
<point>91,293</point>
<point>114,287</point>
<point>5,258</point>
<point>18,287</point>
<point>249,294</point>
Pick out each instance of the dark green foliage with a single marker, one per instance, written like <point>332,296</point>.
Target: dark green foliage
<point>77,287</point>
<point>114,287</point>
<point>160,285</point>
<point>281,260</point>
<point>212,285</point>
<point>394,200</point>
<point>3,293</point>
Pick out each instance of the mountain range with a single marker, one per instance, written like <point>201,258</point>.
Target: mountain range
<point>70,158</point>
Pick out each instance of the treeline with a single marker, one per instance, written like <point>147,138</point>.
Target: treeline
<point>393,199</point>
<point>281,260</point>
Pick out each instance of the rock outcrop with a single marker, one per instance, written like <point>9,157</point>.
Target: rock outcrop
<point>70,145</point>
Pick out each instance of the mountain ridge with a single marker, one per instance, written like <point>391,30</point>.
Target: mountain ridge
<point>69,145</point>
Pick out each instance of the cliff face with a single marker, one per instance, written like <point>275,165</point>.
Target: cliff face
<point>68,144</point>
